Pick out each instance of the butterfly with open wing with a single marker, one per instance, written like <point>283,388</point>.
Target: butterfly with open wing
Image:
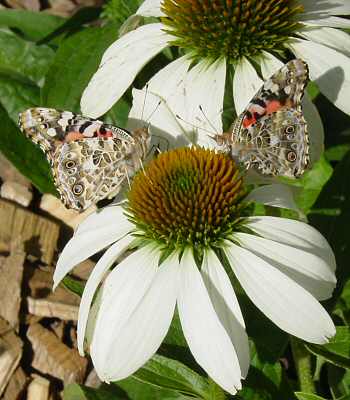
<point>271,135</point>
<point>90,159</point>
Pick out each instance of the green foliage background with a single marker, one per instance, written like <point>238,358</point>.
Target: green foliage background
<point>48,61</point>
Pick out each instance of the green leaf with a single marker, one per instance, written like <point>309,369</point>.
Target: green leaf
<point>73,285</point>
<point>35,25</point>
<point>336,195</point>
<point>337,351</point>
<point>311,183</point>
<point>75,62</point>
<point>137,390</point>
<point>339,381</point>
<point>337,153</point>
<point>25,155</point>
<point>81,17</point>
<point>16,96</point>
<point>265,381</point>
<point>171,374</point>
<point>22,59</point>
<point>80,392</point>
<point>308,396</point>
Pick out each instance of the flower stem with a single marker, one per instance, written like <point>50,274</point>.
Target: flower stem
<point>302,359</point>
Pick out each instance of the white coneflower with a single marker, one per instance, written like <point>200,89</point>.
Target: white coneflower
<point>185,215</point>
<point>246,34</point>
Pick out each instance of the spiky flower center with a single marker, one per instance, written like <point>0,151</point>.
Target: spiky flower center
<point>231,28</point>
<point>187,196</point>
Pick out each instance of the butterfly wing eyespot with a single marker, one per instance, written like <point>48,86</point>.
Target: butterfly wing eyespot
<point>89,158</point>
<point>272,132</point>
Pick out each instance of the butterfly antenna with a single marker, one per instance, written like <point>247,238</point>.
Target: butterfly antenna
<point>153,112</point>
<point>144,102</point>
<point>193,126</point>
<point>207,119</point>
<point>127,177</point>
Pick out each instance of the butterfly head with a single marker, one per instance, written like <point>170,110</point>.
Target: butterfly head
<point>142,139</point>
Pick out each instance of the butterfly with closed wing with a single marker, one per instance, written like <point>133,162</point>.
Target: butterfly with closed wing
<point>90,159</point>
<point>271,135</point>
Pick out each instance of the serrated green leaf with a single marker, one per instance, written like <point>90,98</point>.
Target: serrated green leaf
<point>308,396</point>
<point>76,60</point>
<point>337,351</point>
<point>171,374</point>
<point>22,59</point>
<point>74,285</point>
<point>35,25</point>
<point>16,96</point>
<point>25,155</point>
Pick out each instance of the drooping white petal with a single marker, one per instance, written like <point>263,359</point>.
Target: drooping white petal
<point>93,237</point>
<point>246,83</point>
<point>208,340</point>
<point>325,7</point>
<point>97,274</point>
<point>119,66</point>
<point>293,233</point>
<point>110,216</point>
<point>282,300</point>
<point>226,306</point>
<point>269,65</point>
<point>152,104</point>
<point>334,38</point>
<point>275,195</point>
<point>329,68</point>
<point>334,22</point>
<point>150,8</point>
<point>137,306</point>
<point>308,270</point>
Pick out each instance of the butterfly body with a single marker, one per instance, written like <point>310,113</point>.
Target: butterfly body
<point>90,159</point>
<point>271,134</point>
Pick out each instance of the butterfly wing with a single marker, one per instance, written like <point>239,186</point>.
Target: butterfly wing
<point>89,159</point>
<point>283,90</point>
<point>271,134</point>
<point>277,144</point>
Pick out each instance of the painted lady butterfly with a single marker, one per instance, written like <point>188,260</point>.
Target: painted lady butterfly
<point>271,134</point>
<point>89,159</point>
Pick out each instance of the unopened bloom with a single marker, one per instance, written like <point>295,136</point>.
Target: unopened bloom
<point>185,214</point>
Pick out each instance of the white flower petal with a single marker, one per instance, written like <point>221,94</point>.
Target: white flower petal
<point>152,104</point>
<point>89,241</point>
<point>308,270</point>
<point>119,66</point>
<point>286,303</point>
<point>335,22</point>
<point>246,83</point>
<point>293,233</point>
<point>110,216</point>
<point>184,92</point>
<point>226,306</point>
<point>325,7</point>
<point>334,38</point>
<point>275,195</point>
<point>269,65</point>
<point>207,338</point>
<point>329,68</point>
<point>150,8</point>
<point>137,307</point>
<point>97,274</point>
